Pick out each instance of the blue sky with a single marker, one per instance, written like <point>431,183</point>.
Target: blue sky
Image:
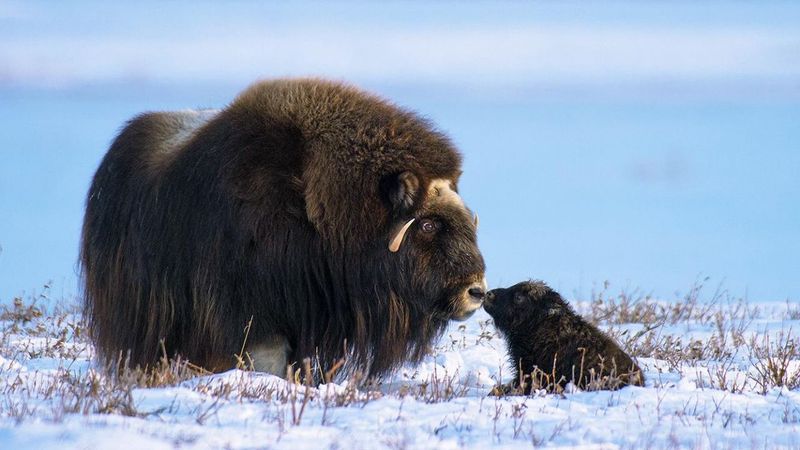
<point>649,144</point>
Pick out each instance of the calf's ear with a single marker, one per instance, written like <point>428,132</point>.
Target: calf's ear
<point>401,190</point>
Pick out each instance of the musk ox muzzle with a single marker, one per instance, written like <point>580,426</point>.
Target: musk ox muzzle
<point>471,300</point>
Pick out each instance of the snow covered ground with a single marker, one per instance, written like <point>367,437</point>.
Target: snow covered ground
<point>714,373</point>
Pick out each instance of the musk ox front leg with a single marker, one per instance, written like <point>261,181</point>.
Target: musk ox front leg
<point>270,356</point>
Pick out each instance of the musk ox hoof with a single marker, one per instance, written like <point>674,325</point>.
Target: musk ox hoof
<point>550,345</point>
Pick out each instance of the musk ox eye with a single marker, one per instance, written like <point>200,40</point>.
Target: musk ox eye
<point>428,226</point>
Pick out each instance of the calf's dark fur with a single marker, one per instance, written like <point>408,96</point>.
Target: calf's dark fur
<point>550,344</point>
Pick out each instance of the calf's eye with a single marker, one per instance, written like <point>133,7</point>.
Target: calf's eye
<point>428,226</point>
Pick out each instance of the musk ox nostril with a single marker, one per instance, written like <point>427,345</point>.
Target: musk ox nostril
<point>476,293</point>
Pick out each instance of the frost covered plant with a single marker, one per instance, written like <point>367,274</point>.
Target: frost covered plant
<point>540,383</point>
<point>792,311</point>
<point>634,306</point>
<point>775,363</point>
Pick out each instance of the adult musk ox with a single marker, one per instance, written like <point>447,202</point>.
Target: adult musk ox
<point>327,215</point>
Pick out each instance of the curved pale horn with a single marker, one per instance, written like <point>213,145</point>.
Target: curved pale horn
<point>475,220</point>
<point>394,245</point>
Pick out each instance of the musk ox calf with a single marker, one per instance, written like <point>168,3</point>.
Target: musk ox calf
<point>549,343</point>
<point>327,216</point>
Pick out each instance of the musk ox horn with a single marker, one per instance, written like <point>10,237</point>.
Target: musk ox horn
<point>475,220</point>
<point>394,245</point>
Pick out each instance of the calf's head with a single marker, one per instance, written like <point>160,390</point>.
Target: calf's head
<point>523,304</point>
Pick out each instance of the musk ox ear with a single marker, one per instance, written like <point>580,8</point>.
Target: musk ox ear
<point>401,190</point>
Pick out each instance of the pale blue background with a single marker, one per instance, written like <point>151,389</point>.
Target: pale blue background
<point>649,144</point>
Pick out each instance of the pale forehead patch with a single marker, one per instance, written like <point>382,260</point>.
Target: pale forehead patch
<point>441,190</point>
